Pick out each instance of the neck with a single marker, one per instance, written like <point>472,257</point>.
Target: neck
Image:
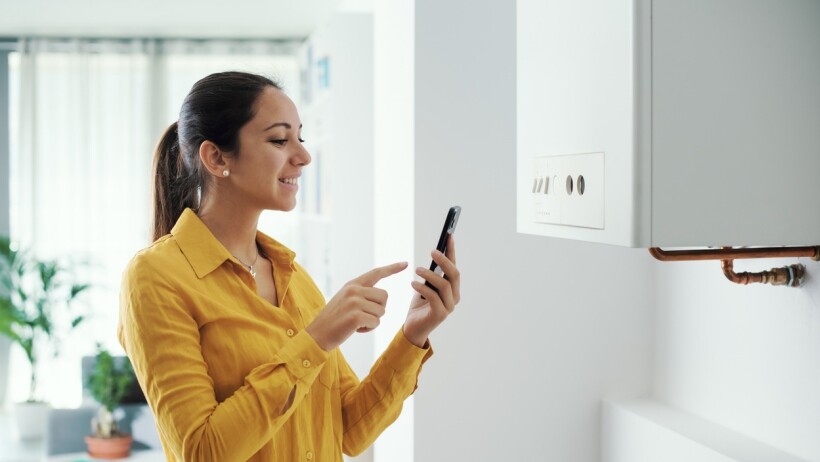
<point>233,225</point>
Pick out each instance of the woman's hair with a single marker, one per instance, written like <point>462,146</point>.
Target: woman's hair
<point>214,110</point>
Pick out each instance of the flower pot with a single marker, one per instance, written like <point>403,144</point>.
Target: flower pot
<point>118,447</point>
<point>5,346</point>
<point>30,419</point>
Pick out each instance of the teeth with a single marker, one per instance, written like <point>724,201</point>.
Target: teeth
<point>288,180</point>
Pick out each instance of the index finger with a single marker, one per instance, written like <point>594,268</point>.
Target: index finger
<point>375,275</point>
<point>451,248</point>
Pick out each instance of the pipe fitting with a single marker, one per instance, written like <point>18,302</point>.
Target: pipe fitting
<point>791,276</point>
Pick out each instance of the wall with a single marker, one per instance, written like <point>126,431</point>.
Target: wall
<point>4,143</point>
<point>747,358</point>
<point>5,343</point>
<point>546,328</point>
<point>347,41</point>
<point>340,120</point>
<point>393,190</point>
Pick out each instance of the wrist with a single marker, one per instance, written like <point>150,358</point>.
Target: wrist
<point>316,338</point>
<point>418,339</point>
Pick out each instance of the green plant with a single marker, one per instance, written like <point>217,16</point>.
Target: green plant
<point>108,383</point>
<point>35,295</point>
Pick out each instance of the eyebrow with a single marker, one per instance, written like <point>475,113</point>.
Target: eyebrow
<point>282,124</point>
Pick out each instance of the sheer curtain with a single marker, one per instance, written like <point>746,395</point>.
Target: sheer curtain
<point>85,118</point>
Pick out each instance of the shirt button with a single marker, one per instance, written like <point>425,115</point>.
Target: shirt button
<point>290,332</point>
<point>309,455</point>
<point>306,363</point>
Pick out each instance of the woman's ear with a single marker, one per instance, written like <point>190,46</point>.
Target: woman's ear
<point>213,160</point>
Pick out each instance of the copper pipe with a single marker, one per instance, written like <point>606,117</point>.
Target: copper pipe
<point>791,275</point>
<point>729,253</point>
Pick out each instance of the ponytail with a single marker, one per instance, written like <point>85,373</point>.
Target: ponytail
<point>175,186</point>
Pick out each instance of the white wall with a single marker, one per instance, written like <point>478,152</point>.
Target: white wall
<point>5,343</point>
<point>546,327</point>
<point>4,145</point>
<point>348,42</point>
<point>747,358</point>
<point>282,19</point>
<point>393,192</point>
<point>342,118</point>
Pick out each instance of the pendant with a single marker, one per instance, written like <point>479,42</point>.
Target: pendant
<point>253,272</point>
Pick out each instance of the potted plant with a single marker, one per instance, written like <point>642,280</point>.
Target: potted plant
<point>37,300</point>
<point>109,382</point>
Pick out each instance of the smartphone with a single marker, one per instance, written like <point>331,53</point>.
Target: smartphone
<point>449,228</point>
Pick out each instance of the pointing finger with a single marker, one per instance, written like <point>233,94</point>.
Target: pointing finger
<point>375,275</point>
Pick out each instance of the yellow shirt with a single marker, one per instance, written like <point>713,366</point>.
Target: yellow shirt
<point>218,362</point>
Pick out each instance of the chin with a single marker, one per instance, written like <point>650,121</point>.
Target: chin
<point>283,207</point>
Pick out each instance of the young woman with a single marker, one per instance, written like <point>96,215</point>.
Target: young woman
<point>233,344</point>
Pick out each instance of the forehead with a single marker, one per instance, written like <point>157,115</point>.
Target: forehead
<point>274,106</point>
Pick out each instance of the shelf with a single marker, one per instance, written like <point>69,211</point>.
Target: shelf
<point>647,430</point>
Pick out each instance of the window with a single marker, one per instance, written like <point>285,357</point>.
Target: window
<point>85,118</point>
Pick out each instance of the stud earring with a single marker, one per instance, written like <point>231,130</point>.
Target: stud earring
<point>226,172</point>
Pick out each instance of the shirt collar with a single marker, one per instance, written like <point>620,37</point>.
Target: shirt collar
<point>205,253</point>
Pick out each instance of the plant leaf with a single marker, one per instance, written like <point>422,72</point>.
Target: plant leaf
<point>76,289</point>
<point>47,270</point>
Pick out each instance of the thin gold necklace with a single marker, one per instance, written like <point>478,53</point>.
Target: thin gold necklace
<point>250,267</point>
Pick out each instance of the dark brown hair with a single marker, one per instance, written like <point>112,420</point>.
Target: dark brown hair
<point>214,110</point>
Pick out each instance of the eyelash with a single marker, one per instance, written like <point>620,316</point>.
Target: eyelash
<point>282,142</point>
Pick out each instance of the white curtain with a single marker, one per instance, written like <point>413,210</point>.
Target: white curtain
<point>86,116</point>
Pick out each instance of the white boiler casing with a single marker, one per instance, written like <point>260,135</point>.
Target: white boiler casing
<point>693,123</point>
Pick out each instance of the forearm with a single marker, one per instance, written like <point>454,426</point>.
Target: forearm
<point>372,405</point>
<point>194,426</point>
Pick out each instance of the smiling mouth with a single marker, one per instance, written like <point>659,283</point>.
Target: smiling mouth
<point>288,180</point>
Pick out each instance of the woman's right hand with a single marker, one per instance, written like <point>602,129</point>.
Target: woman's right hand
<point>357,307</point>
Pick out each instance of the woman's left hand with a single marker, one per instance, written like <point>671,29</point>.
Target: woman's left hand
<point>427,313</point>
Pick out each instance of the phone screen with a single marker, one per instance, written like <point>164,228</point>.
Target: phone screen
<point>449,228</point>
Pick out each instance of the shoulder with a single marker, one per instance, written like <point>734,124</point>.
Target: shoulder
<point>157,262</point>
<point>155,279</point>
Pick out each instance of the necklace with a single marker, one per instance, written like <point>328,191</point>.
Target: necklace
<point>250,267</point>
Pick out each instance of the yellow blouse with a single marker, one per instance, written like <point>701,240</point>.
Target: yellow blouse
<point>218,362</point>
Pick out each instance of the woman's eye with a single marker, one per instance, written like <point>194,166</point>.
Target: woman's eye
<point>279,142</point>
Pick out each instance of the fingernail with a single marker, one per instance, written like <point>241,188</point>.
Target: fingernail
<point>419,270</point>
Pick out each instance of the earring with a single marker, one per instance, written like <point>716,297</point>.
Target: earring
<point>226,172</point>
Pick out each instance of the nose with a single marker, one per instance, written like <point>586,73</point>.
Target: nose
<point>301,157</point>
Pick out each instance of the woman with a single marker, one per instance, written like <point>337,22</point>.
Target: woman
<point>232,342</point>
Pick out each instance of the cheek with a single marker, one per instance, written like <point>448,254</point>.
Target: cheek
<point>277,161</point>
<point>268,161</point>
<point>270,168</point>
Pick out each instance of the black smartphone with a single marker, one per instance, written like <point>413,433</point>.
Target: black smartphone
<point>449,228</point>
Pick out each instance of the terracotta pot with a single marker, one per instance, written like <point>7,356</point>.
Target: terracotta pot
<point>118,447</point>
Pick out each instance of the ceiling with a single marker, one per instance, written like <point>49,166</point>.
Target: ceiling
<point>280,19</point>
